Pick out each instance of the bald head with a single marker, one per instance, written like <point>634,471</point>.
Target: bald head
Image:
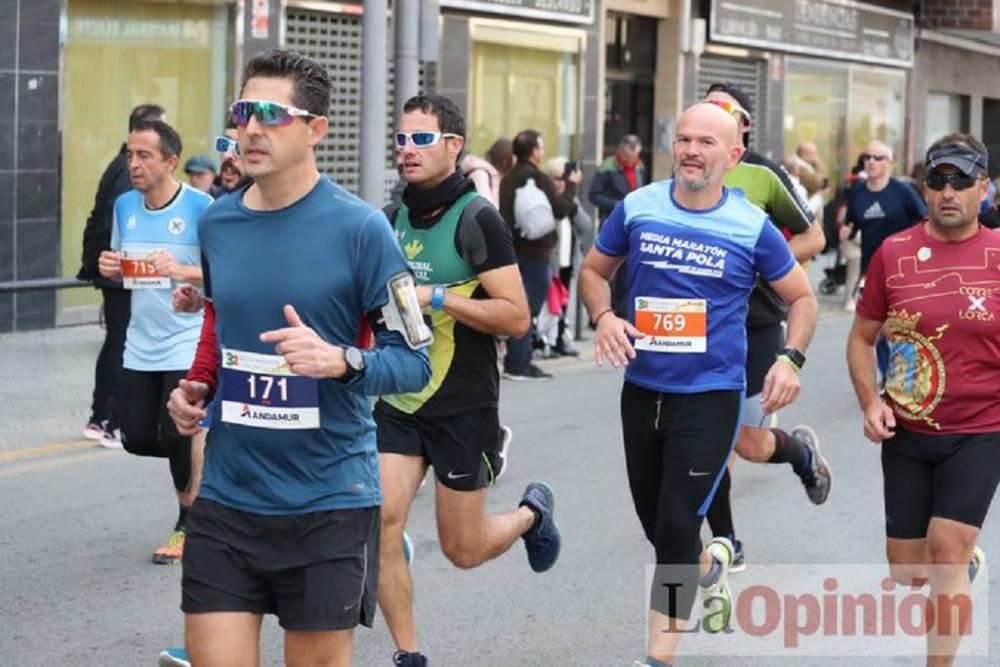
<point>707,145</point>
<point>713,119</point>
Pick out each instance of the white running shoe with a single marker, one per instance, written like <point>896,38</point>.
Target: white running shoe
<point>717,599</point>
<point>111,439</point>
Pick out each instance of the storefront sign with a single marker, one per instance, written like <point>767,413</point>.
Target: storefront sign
<point>568,11</point>
<point>830,28</point>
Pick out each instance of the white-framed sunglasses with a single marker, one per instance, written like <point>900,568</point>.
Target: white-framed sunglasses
<point>422,138</point>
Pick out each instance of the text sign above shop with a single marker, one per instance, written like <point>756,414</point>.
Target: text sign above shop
<point>568,11</point>
<point>830,28</point>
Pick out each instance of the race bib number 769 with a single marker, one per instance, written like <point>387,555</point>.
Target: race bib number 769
<point>671,325</point>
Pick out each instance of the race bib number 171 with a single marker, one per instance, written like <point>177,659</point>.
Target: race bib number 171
<point>671,325</point>
<point>258,390</point>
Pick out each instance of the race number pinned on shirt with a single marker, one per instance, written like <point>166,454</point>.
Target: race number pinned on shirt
<point>138,271</point>
<point>259,390</point>
<point>671,325</point>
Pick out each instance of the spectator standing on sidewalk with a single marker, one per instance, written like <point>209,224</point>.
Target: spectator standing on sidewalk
<point>617,176</point>
<point>531,206</point>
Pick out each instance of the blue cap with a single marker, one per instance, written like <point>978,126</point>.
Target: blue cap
<point>199,164</point>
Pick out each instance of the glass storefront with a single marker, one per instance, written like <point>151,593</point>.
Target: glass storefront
<point>946,113</point>
<point>841,107</point>
<point>524,79</point>
<point>120,53</point>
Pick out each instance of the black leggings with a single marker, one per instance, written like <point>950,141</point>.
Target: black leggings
<point>147,429</point>
<point>676,448</point>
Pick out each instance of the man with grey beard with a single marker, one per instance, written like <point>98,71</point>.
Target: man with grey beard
<point>694,250</point>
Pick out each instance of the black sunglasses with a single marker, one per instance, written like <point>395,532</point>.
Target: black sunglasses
<point>936,180</point>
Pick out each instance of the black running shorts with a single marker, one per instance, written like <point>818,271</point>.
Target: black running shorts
<point>316,572</point>
<point>949,476</point>
<point>462,448</point>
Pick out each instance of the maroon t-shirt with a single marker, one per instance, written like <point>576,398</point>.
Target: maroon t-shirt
<point>942,304</point>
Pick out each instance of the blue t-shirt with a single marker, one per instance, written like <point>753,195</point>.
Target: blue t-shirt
<point>329,255</point>
<point>158,338</point>
<point>690,274</point>
<point>879,215</point>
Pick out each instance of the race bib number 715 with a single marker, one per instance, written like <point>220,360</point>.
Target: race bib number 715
<point>671,325</point>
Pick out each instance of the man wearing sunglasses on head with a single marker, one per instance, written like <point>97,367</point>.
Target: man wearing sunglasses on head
<point>766,185</point>
<point>288,520</point>
<point>937,288</point>
<point>461,252</point>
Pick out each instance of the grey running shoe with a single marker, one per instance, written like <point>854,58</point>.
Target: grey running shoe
<point>543,541</point>
<point>976,564</point>
<point>817,477</point>
<point>739,559</point>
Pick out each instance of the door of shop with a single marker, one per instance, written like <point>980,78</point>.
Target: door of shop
<point>751,77</point>
<point>630,52</point>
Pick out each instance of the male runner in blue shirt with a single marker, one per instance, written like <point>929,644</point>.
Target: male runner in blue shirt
<point>694,249</point>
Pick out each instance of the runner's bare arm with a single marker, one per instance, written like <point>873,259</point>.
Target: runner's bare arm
<point>504,313</point>
<point>611,342</point>
<point>794,290</point>
<point>808,244</point>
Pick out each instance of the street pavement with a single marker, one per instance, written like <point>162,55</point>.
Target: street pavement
<point>80,523</point>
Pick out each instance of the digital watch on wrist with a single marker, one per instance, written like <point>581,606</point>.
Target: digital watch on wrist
<point>355,364</point>
<point>797,359</point>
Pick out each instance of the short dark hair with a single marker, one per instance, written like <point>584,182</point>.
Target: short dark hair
<point>525,142</point>
<point>145,112</point>
<point>170,141</point>
<point>311,84</point>
<point>449,116</point>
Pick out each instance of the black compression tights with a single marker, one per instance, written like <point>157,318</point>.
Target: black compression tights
<point>147,429</point>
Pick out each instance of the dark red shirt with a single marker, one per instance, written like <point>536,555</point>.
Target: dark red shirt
<point>942,303</point>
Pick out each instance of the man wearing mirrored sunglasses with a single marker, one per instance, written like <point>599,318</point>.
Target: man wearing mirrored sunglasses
<point>767,185</point>
<point>288,520</point>
<point>937,289</point>
<point>462,254</point>
<point>231,177</point>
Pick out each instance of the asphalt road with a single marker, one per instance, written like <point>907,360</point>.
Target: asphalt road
<point>79,525</point>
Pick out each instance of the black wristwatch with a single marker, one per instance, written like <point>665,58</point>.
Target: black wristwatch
<point>797,358</point>
<point>355,364</point>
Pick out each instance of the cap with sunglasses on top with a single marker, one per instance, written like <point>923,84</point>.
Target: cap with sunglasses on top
<point>734,92</point>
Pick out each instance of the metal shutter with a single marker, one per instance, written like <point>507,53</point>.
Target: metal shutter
<point>335,41</point>
<point>751,77</point>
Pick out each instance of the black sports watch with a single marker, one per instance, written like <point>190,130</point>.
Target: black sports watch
<point>355,364</point>
<point>797,358</point>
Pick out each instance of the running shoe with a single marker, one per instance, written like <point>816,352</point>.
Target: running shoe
<point>172,550</point>
<point>112,439</point>
<point>739,560</point>
<point>94,430</point>
<point>976,564</point>
<point>543,541</point>
<point>717,599</point>
<point>506,436</point>
<point>408,551</point>
<point>404,659</point>
<point>174,657</point>
<point>531,373</point>
<point>817,478</point>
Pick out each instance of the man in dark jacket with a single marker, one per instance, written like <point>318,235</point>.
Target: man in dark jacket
<point>103,423</point>
<point>533,255</point>
<point>617,176</point>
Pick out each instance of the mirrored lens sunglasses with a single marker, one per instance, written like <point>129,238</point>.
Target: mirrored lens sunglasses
<point>422,139</point>
<point>268,114</point>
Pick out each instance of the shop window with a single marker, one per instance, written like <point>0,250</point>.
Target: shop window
<point>630,43</point>
<point>946,113</point>
<point>119,54</point>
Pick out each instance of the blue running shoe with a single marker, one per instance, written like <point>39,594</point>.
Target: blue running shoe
<point>404,659</point>
<point>543,540</point>
<point>174,657</point>
<point>408,552</point>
